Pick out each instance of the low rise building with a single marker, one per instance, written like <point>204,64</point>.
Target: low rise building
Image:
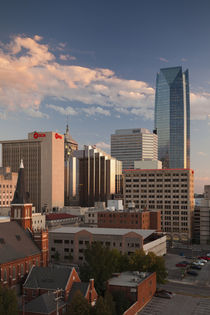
<point>55,219</point>
<point>72,241</point>
<point>138,288</point>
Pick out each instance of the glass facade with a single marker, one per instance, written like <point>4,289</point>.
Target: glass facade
<point>172,117</point>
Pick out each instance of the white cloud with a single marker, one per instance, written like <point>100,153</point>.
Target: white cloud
<point>29,74</point>
<point>202,153</point>
<point>67,57</point>
<point>163,59</point>
<point>200,105</point>
<point>91,111</point>
<point>103,145</point>
<point>63,111</point>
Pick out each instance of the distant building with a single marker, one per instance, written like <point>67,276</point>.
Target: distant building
<point>129,145</point>
<point>98,176</point>
<point>148,164</point>
<point>55,219</point>
<point>43,155</point>
<point>168,190</point>
<point>138,288</point>
<point>8,182</point>
<point>74,240</point>
<point>70,145</point>
<point>172,117</point>
<point>146,220</point>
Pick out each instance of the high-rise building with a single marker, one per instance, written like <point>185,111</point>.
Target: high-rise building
<point>95,176</point>
<point>168,190</point>
<point>43,158</point>
<point>129,145</point>
<point>70,145</point>
<point>172,117</point>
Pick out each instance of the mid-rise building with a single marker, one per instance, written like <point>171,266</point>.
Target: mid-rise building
<point>8,182</point>
<point>43,156</point>
<point>98,176</point>
<point>168,190</point>
<point>129,145</point>
<point>172,117</point>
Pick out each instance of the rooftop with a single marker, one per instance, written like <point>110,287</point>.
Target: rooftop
<point>129,278</point>
<point>58,216</point>
<point>103,231</point>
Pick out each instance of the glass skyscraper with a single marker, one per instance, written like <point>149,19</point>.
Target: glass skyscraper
<point>172,117</point>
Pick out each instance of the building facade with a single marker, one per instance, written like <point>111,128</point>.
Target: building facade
<point>168,190</point>
<point>8,182</point>
<point>146,220</point>
<point>172,117</point>
<point>129,145</point>
<point>73,241</point>
<point>98,176</point>
<point>43,156</point>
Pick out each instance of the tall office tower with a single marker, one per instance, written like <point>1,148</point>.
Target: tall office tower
<point>129,145</point>
<point>70,145</point>
<point>172,117</point>
<point>168,190</point>
<point>43,158</point>
<point>98,175</point>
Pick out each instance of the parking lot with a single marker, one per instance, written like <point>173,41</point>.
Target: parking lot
<point>191,293</point>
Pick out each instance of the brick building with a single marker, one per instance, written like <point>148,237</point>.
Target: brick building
<point>138,287</point>
<point>20,247</point>
<point>51,288</point>
<point>146,220</point>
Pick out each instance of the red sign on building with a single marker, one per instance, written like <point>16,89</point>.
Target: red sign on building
<point>39,135</point>
<point>57,136</point>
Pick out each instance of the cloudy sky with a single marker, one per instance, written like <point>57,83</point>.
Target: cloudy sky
<point>96,62</point>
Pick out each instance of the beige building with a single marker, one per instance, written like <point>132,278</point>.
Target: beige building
<point>129,145</point>
<point>204,216</point>
<point>43,158</point>
<point>171,191</point>
<point>8,181</point>
<point>74,241</point>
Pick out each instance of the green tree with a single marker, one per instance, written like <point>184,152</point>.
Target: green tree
<point>100,263</point>
<point>104,306</point>
<point>79,305</point>
<point>122,303</point>
<point>8,302</point>
<point>137,261</point>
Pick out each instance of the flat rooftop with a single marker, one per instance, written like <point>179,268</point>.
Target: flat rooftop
<point>129,278</point>
<point>103,231</point>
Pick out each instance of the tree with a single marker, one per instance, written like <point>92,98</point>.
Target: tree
<point>104,306</point>
<point>122,303</point>
<point>100,263</point>
<point>79,305</point>
<point>8,302</point>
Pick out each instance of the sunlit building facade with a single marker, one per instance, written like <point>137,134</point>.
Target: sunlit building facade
<point>172,117</point>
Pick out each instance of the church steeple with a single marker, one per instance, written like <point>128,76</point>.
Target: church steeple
<point>20,195</point>
<point>21,209</point>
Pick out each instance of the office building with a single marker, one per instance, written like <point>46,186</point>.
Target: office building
<point>98,176</point>
<point>172,117</point>
<point>129,145</point>
<point>168,190</point>
<point>74,241</point>
<point>70,145</point>
<point>148,165</point>
<point>43,158</point>
<point>8,182</point>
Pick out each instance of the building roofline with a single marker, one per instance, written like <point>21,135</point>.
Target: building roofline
<point>162,169</point>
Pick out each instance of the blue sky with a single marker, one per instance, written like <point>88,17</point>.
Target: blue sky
<point>96,61</point>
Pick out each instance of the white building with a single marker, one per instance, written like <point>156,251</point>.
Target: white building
<point>129,145</point>
<point>148,164</point>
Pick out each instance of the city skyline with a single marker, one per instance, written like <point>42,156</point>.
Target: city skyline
<point>97,63</point>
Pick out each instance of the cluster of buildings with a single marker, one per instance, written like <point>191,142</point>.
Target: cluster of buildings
<point>138,197</point>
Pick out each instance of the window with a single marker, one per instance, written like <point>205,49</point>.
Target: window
<point>58,241</point>
<point>13,272</point>
<point>5,275</point>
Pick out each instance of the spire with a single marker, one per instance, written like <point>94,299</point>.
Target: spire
<point>20,195</point>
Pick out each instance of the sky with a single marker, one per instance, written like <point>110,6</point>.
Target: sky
<point>95,62</point>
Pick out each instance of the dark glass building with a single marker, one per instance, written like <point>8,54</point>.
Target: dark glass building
<point>172,117</point>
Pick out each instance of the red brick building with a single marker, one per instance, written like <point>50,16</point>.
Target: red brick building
<point>20,248</point>
<point>146,220</point>
<point>139,288</point>
<point>51,288</point>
